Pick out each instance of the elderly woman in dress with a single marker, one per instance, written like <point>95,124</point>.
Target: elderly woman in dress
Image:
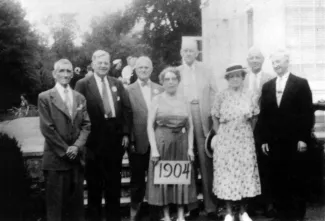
<point>236,176</point>
<point>170,132</point>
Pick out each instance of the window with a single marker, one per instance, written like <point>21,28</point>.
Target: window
<point>305,37</point>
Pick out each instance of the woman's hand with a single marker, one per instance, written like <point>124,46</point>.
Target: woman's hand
<point>155,157</point>
<point>190,155</point>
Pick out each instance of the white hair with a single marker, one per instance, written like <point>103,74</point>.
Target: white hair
<point>99,53</point>
<point>143,58</point>
<point>60,62</point>
<point>283,52</point>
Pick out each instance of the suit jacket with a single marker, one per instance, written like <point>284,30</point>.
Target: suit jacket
<point>140,115</point>
<point>61,130</point>
<point>265,77</point>
<point>207,89</point>
<point>88,87</point>
<point>293,119</point>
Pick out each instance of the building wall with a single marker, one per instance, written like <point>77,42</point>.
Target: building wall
<point>226,34</point>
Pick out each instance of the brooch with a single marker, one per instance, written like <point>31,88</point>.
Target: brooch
<point>118,98</point>
<point>114,89</point>
<point>156,91</point>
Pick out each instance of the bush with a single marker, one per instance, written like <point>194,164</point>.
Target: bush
<point>15,182</point>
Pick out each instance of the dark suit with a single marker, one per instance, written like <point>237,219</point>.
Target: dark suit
<point>139,157</point>
<point>104,149</point>
<point>64,177</point>
<point>281,128</point>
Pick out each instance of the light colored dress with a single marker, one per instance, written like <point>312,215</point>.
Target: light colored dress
<point>171,135</point>
<point>236,173</point>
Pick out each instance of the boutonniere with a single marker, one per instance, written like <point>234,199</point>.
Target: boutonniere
<point>80,107</point>
<point>114,89</point>
<point>118,98</point>
<point>156,91</point>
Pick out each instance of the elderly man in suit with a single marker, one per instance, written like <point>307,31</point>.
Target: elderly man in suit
<point>65,124</point>
<point>198,86</point>
<point>254,81</point>
<point>256,77</point>
<point>141,93</point>
<point>109,111</point>
<point>286,121</point>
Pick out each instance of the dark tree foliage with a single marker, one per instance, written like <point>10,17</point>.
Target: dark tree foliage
<point>165,24</point>
<point>18,48</point>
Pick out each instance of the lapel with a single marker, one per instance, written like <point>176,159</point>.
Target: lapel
<point>154,90</point>
<point>138,95</point>
<point>287,90</point>
<point>113,89</point>
<point>273,93</point>
<point>93,88</point>
<point>199,77</point>
<point>74,105</point>
<point>58,102</point>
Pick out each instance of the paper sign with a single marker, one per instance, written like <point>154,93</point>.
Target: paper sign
<point>172,172</point>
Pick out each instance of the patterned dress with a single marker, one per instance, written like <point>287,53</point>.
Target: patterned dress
<point>172,143</point>
<point>236,173</point>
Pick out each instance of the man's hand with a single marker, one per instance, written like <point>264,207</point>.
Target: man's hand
<point>302,146</point>
<point>265,149</point>
<point>125,141</point>
<point>72,152</point>
<point>132,147</point>
<point>190,155</point>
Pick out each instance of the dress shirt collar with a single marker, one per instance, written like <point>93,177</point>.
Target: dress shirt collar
<point>61,89</point>
<point>189,67</point>
<point>142,83</point>
<point>99,79</point>
<point>285,76</point>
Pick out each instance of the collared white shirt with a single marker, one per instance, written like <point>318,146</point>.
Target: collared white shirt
<point>61,90</point>
<point>146,92</point>
<point>280,86</point>
<point>110,97</point>
<point>254,81</point>
<point>190,82</point>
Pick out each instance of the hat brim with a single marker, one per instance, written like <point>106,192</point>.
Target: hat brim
<point>207,147</point>
<point>237,70</point>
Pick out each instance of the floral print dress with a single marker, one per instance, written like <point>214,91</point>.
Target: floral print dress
<point>235,173</point>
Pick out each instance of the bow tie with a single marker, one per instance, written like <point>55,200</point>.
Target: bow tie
<point>143,83</point>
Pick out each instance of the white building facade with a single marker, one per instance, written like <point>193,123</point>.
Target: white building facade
<point>231,27</point>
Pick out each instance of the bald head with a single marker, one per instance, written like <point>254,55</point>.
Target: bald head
<point>101,63</point>
<point>280,61</point>
<point>189,51</point>
<point>143,68</point>
<point>255,59</point>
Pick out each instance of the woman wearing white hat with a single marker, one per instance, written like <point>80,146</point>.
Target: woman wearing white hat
<point>236,176</point>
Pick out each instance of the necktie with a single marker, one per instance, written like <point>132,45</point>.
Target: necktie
<point>67,101</point>
<point>107,107</point>
<point>279,91</point>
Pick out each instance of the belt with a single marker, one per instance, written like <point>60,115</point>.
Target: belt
<point>196,101</point>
